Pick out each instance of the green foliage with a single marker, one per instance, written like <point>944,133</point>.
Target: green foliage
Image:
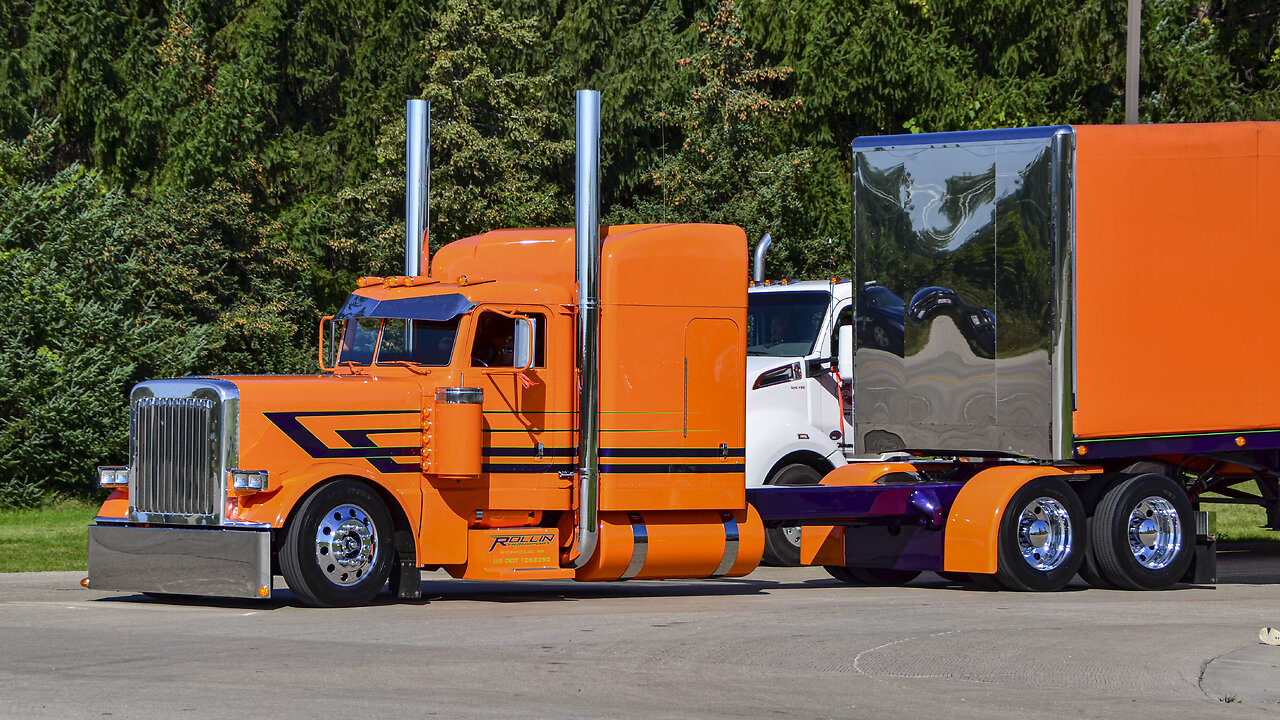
<point>220,171</point>
<point>50,537</point>
<point>724,168</point>
<point>104,290</point>
<point>497,130</point>
<point>629,51</point>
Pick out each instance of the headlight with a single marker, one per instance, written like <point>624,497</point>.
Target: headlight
<point>247,482</point>
<point>113,477</point>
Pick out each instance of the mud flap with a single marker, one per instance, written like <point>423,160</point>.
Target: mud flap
<point>405,582</point>
<point>1204,566</point>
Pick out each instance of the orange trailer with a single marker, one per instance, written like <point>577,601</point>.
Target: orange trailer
<point>1069,290</point>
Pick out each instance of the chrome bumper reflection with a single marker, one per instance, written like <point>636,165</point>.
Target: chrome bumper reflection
<point>226,563</point>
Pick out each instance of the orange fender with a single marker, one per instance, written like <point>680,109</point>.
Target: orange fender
<point>275,506</point>
<point>824,544</point>
<point>973,525</point>
<point>864,473</point>
<point>116,505</point>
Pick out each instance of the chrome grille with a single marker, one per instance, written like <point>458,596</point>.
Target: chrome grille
<point>176,468</point>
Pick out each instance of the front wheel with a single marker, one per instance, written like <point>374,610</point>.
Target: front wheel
<point>1143,533</point>
<point>1042,536</point>
<point>336,551</point>
<point>782,544</point>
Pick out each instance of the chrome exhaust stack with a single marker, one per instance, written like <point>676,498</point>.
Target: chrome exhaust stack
<point>586,235</point>
<point>417,192</point>
<point>762,247</point>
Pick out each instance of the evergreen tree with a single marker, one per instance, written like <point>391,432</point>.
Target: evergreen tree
<point>106,290</point>
<point>723,166</point>
<point>499,147</point>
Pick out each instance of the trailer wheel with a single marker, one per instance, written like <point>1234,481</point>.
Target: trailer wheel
<point>782,544</point>
<point>1143,534</point>
<point>337,549</point>
<point>1042,537</point>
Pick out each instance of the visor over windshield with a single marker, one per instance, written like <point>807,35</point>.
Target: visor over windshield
<point>438,308</point>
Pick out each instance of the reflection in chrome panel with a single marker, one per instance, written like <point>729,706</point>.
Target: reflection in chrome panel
<point>968,231</point>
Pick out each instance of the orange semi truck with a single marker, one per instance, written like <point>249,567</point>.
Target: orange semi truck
<point>456,427</point>
<point>550,404</point>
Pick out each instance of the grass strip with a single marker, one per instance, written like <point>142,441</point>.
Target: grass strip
<point>1241,523</point>
<point>55,537</point>
<point>49,538</point>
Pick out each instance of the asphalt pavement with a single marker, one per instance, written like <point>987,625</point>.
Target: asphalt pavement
<point>782,642</point>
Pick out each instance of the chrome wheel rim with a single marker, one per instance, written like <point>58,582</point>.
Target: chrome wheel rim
<point>792,534</point>
<point>1044,533</point>
<point>346,544</point>
<point>1155,533</point>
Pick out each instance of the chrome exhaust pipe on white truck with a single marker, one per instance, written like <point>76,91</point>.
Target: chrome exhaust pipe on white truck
<point>762,247</point>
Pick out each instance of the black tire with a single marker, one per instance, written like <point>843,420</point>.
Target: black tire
<point>1092,574</point>
<point>1042,537</point>
<point>782,545</point>
<point>884,576</point>
<point>1143,533</point>
<point>983,581</point>
<point>319,572</point>
<point>871,576</point>
<point>880,337</point>
<point>1089,570</point>
<point>842,574</point>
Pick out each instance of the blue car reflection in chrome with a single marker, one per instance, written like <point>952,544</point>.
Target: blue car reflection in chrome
<point>880,319</point>
<point>977,324</point>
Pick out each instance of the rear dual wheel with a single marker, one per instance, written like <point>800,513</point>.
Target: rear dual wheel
<point>1042,537</point>
<point>1142,535</point>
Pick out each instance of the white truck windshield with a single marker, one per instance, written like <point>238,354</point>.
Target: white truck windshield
<point>785,324</point>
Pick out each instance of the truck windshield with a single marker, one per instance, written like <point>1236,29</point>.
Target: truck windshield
<point>413,342</point>
<point>785,324</point>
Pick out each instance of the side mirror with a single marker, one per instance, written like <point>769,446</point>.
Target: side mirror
<point>328,346</point>
<point>844,363</point>
<point>525,342</point>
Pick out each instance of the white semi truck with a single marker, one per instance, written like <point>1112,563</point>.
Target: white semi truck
<point>798,407</point>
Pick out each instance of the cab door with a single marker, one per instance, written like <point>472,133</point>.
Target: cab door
<point>527,426</point>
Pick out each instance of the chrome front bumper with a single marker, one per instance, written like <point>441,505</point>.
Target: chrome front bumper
<point>225,563</point>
